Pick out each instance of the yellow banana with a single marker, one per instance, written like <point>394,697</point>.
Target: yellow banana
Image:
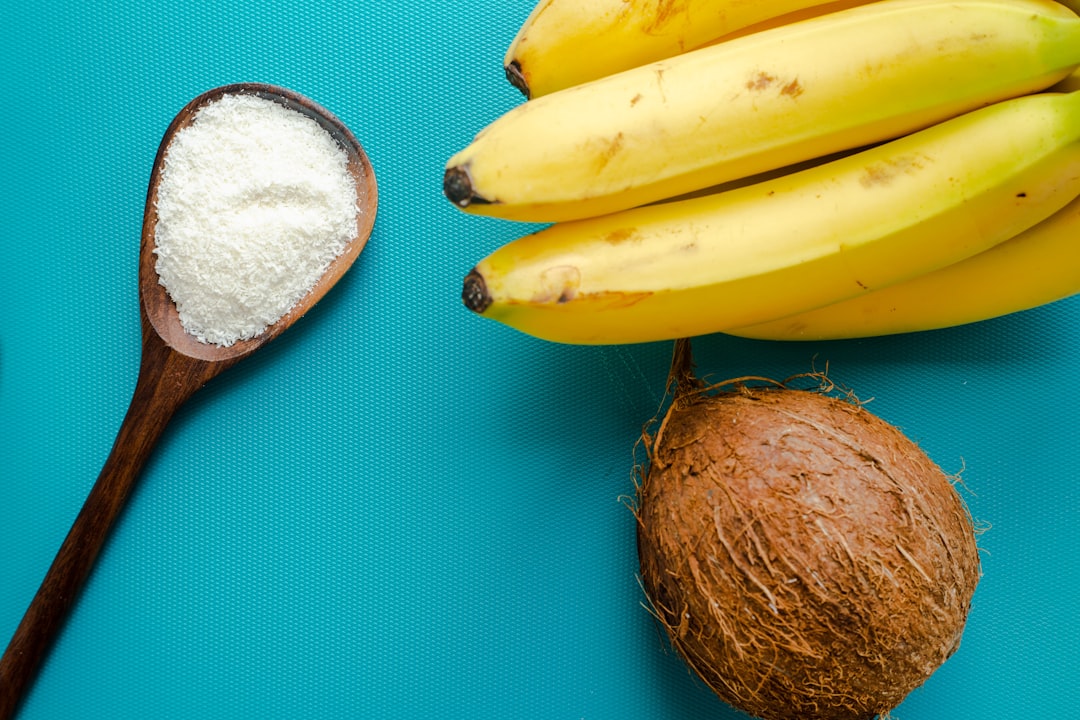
<point>563,43</point>
<point>759,102</point>
<point>1037,267</point>
<point>793,243</point>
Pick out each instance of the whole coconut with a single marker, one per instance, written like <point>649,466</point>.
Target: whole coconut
<point>806,558</point>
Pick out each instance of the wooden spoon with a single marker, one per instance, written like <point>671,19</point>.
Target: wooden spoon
<point>173,366</point>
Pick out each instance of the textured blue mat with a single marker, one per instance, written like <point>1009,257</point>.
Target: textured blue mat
<point>398,510</point>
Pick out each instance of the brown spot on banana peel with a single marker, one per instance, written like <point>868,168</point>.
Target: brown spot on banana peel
<point>664,12</point>
<point>458,189</point>
<point>760,81</point>
<point>883,173</point>
<point>792,89</point>
<point>611,148</point>
<point>616,237</point>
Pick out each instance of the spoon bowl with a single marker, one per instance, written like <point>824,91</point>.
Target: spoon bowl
<point>156,302</point>
<point>173,365</point>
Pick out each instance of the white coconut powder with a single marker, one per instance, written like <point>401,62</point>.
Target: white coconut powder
<point>254,202</point>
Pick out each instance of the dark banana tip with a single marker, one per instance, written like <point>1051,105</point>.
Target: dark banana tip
<point>474,292</point>
<point>517,78</point>
<point>457,186</point>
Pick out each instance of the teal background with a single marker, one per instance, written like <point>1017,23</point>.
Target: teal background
<point>398,509</point>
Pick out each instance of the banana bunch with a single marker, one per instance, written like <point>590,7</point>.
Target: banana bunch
<point>757,103</point>
<point>822,171</point>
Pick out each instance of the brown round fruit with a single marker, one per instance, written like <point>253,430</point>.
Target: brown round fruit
<point>807,559</point>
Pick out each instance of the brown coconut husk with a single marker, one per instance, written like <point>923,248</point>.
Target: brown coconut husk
<point>807,560</point>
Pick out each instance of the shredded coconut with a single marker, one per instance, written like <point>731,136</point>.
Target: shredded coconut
<point>254,202</point>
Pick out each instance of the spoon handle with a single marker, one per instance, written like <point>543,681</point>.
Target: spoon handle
<point>166,380</point>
